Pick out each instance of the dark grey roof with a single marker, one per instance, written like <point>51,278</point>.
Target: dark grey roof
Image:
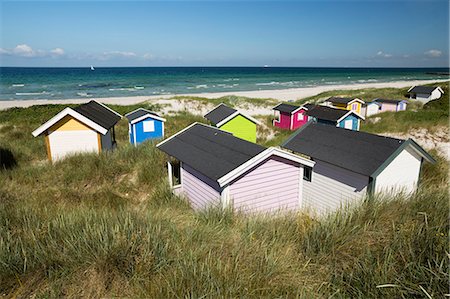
<point>340,100</point>
<point>287,108</point>
<point>309,106</point>
<point>209,150</point>
<point>139,113</point>
<point>422,89</point>
<point>359,152</point>
<point>327,113</point>
<point>388,101</point>
<point>219,113</point>
<point>98,114</point>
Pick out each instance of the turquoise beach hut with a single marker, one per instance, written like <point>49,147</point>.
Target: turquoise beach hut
<point>144,125</point>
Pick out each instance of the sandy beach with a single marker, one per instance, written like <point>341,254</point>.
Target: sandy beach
<point>281,94</point>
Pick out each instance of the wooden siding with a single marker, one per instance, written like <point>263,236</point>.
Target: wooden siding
<point>142,136</point>
<point>63,143</point>
<point>372,109</point>
<point>68,123</point>
<point>331,187</point>
<point>241,127</point>
<point>199,190</point>
<point>284,120</point>
<point>358,107</point>
<point>402,174</point>
<point>388,107</point>
<point>296,123</point>
<point>106,141</point>
<point>355,122</point>
<point>272,185</point>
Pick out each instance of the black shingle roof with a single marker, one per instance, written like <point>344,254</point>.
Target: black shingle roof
<point>98,114</point>
<point>219,113</point>
<point>359,152</point>
<point>139,113</point>
<point>309,106</point>
<point>340,100</point>
<point>287,108</point>
<point>209,150</point>
<point>422,89</point>
<point>326,113</point>
<point>387,101</point>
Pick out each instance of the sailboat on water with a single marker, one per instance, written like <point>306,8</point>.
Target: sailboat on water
<point>92,68</point>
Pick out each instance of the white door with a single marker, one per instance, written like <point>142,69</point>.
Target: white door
<point>348,124</point>
<point>63,143</point>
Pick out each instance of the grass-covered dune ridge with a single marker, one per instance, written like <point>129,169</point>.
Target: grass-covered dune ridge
<point>160,249</point>
<point>107,226</point>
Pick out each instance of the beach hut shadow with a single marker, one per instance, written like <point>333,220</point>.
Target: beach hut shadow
<point>7,160</point>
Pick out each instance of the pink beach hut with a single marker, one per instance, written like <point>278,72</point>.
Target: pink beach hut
<point>290,117</point>
<point>391,105</point>
<point>211,167</point>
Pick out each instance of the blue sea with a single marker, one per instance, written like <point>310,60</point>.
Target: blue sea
<point>70,83</point>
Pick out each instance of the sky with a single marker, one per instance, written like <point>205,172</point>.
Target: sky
<point>332,33</point>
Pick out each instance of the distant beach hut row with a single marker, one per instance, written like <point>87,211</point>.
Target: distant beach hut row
<point>292,117</point>
<point>90,127</point>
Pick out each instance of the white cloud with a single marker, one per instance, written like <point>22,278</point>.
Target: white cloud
<point>24,50</point>
<point>120,53</point>
<point>433,53</point>
<point>148,56</point>
<point>57,52</point>
<point>382,54</point>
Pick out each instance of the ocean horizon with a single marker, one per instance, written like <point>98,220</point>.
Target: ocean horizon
<point>26,83</point>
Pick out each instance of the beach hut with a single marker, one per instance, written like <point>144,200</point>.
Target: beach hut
<point>85,128</point>
<point>372,108</point>
<point>350,165</point>
<point>211,167</point>
<point>391,105</point>
<point>336,117</point>
<point>290,117</point>
<point>233,121</point>
<point>143,125</point>
<point>352,104</point>
<point>425,94</point>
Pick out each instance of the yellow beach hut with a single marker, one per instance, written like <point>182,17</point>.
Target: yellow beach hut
<point>85,128</point>
<point>352,104</point>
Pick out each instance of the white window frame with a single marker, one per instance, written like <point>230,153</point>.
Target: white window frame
<point>300,116</point>
<point>148,126</point>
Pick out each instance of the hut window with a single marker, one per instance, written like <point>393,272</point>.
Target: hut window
<point>307,173</point>
<point>300,116</point>
<point>149,126</point>
<point>354,106</point>
<point>174,170</point>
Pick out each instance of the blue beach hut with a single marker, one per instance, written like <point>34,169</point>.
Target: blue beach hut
<point>144,125</point>
<point>336,117</point>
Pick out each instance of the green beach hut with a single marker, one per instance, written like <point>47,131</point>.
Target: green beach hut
<point>231,120</point>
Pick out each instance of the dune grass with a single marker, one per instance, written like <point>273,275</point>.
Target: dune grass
<point>108,226</point>
<point>231,101</point>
